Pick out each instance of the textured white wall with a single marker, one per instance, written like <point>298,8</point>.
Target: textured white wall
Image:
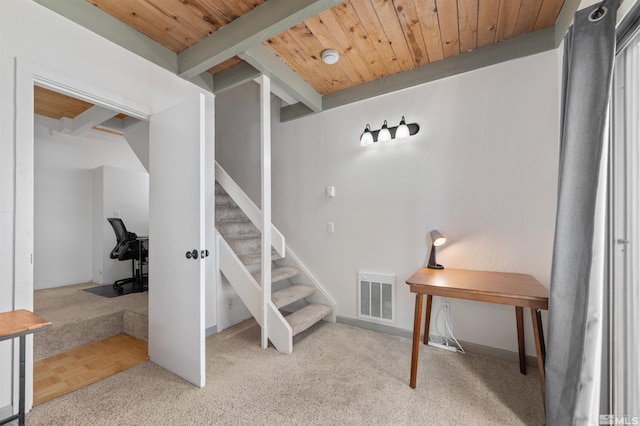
<point>482,170</point>
<point>64,201</point>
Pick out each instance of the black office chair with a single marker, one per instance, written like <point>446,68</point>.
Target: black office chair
<point>128,248</point>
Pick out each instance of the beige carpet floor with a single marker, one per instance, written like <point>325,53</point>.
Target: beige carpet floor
<point>337,375</point>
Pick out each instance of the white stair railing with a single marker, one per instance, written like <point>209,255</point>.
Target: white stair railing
<point>248,207</point>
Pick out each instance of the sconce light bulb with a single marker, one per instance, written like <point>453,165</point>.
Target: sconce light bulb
<point>385,134</point>
<point>403,130</point>
<point>367,137</point>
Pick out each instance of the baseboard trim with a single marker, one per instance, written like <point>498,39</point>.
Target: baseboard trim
<point>473,348</point>
<point>211,330</point>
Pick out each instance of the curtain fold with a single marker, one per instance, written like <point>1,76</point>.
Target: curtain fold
<point>577,277</point>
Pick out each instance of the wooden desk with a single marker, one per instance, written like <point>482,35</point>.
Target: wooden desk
<point>519,290</point>
<point>19,324</point>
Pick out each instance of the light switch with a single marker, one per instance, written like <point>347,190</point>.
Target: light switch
<point>331,191</point>
<point>331,227</point>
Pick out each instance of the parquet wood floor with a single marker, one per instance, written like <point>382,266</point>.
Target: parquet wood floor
<point>60,374</point>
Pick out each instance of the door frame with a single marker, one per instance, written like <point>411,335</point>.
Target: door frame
<point>29,74</point>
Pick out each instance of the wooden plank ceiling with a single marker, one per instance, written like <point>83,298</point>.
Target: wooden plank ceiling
<point>375,38</point>
<point>56,105</point>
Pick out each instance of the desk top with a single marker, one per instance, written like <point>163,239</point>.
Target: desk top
<point>496,287</point>
<point>16,323</point>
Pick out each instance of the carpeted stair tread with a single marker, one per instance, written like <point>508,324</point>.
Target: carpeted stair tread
<point>232,229</point>
<point>279,274</point>
<point>256,258</point>
<point>224,200</point>
<point>304,318</point>
<point>229,214</point>
<point>220,190</point>
<point>291,294</point>
<point>244,245</point>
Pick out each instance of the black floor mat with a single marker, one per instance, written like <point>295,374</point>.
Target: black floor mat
<point>108,291</point>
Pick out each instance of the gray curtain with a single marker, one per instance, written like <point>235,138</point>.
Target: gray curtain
<point>577,278</point>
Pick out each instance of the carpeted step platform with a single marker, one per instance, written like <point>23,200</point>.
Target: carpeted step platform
<point>304,318</point>
<point>61,338</point>
<point>291,294</point>
<point>64,337</point>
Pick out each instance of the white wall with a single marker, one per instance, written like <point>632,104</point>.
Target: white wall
<point>482,170</point>
<point>37,36</point>
<point>64,200</point>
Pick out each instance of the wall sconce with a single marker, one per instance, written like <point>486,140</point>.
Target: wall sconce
<point>385,134</point>
<point>437,239</point>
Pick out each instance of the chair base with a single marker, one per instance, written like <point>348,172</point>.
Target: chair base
<point>137,279</point>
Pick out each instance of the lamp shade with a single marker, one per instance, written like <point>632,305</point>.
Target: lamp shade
<point>437,238</point>
<point>403,130</point>
<point>385,134</point>
<point>367,137</point>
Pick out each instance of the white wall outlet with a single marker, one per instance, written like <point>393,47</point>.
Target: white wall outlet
<point>331,227</point>
<point>331,191</point>
<point>116,213</point>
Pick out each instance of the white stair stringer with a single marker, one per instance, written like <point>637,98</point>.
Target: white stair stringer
<point>240,278</point>
<point>279,331</point>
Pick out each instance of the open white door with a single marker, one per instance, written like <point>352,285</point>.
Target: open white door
<point>177,139</point>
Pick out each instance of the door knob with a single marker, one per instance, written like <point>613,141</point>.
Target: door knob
<point>192,254</point>
<point>204,253</point>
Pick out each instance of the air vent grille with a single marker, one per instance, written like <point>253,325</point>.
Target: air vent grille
<point>376,297</point>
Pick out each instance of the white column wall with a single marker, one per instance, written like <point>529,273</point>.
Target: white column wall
<point>482,170</point>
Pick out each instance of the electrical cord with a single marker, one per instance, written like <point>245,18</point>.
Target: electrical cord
<point>449,327</point>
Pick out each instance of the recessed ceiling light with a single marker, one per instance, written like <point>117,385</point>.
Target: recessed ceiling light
<point>330,56</point>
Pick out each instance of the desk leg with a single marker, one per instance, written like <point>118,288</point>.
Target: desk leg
<point>417,320</point>
<point>540,348</point>
<point>520,326</point>
<point>23,350</point>
<point>427,319</point>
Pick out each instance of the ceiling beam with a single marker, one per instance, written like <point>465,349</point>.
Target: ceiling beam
<point>89,16</point>
<point>234,76</point>
<point>261,23</point>
<point>265,61</point>
<point>85,121</point>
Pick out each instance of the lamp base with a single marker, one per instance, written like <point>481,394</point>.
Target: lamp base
<point>436,266</point>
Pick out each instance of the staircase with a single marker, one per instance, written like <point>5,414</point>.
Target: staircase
<point>293,301</point>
